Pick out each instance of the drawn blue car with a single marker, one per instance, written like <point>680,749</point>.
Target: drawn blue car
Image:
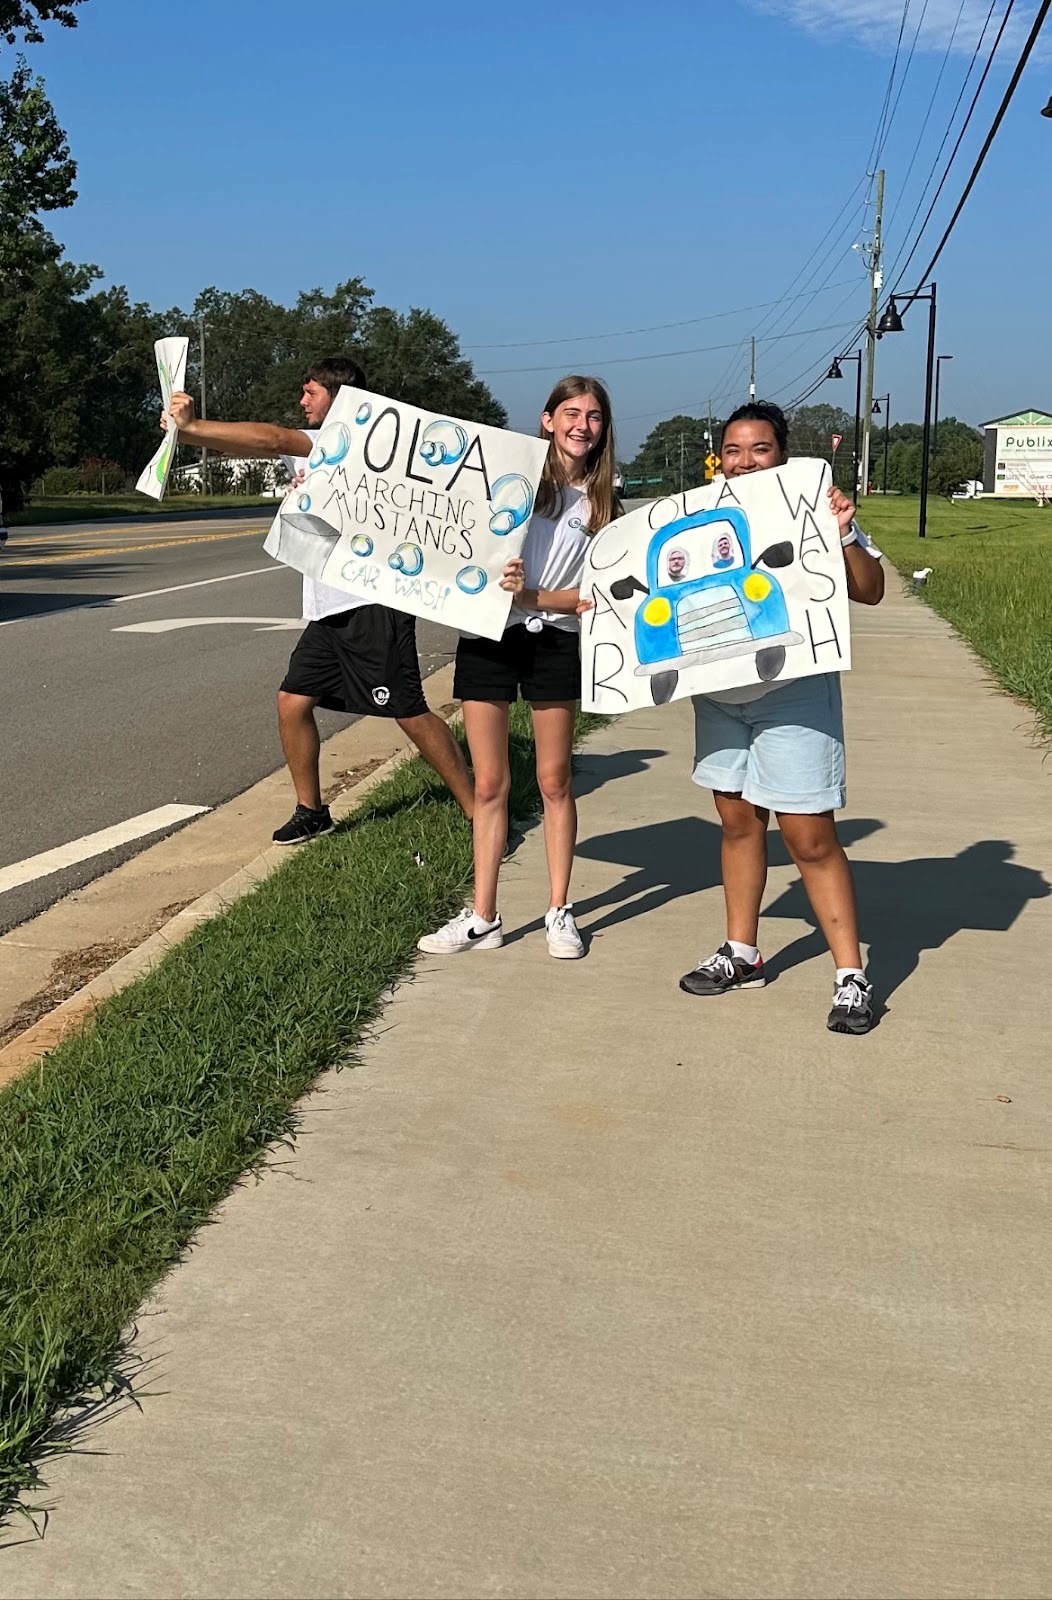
<point>731,609</point>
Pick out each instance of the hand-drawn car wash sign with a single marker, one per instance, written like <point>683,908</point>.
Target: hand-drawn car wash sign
<point>744,584</point>
<point>412,510</point>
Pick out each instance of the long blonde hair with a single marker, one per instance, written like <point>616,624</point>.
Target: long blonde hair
<point>603,505</point>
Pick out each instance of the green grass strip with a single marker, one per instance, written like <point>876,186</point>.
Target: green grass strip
<point>123,1143</point>
<point>991,579</point>
<point>99,507</point>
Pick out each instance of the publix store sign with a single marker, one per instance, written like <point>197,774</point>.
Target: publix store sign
<point>1017,460</point>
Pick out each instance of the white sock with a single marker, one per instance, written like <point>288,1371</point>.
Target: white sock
<point>744,952</point>
<point>484,922</point>
<point>843,973</point>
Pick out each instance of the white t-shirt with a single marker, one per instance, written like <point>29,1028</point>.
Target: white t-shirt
<point>747,692</point>
<point>554,558</point>
<point>320,599</point>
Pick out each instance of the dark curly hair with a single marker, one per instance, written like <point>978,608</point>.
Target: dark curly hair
<point>764,411</point>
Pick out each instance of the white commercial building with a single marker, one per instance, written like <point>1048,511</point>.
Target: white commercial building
<point>1017,462</point>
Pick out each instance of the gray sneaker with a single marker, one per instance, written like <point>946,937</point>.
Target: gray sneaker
<point>722,972</point>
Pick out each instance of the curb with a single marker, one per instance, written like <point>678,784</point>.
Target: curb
<point>31,1047</point>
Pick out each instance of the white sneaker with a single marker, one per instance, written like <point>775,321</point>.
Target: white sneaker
<point>564,941</point>
<point>465,931</point>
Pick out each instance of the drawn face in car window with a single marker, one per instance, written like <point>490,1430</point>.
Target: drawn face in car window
<point>722,552</point>
<point>678,563</point>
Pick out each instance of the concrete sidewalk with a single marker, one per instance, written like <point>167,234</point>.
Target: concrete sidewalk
<point>579,1286</point>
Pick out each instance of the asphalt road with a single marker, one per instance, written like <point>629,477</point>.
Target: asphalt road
<point>101,725</point>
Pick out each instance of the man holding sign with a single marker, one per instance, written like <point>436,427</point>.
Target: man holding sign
<point>354,656</point>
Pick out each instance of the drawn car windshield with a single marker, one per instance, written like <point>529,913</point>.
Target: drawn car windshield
<point>699,552</point>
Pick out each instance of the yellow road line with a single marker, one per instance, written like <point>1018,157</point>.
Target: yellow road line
<point>125,549</point>
<point>34,536</point>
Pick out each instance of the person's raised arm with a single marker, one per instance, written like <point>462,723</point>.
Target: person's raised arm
<point>254,439</point>
<point>865,575</point>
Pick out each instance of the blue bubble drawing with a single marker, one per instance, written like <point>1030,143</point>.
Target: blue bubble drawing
<point>331,445</point>
<point>442,443</point>
<point>407,559</point>
<point>471,579</point>
<point>364,412</point>
<point>304,502</point>
<point>362,545</point>
<point>511,503</point>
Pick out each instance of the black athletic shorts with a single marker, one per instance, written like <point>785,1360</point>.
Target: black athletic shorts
<point>544,666</point>
<point>362,661</point>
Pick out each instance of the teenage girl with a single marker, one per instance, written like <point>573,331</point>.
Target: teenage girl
<point>539,657</point>
<point>780,747</point>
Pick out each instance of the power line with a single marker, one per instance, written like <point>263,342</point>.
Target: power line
<point>1042,13</point>
<point>654,327</point>
<point>880,135</point>
<point>953,154</point>
<point>1006,100</point>
<point>904,185</point>
<point>902,80</point>
<point>662,355</point>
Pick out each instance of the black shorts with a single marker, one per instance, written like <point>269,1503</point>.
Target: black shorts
<point>362,661</point>
<point>544,666</point>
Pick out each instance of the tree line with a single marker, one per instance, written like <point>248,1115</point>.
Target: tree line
<point>79,397</point>
<point>673,455</point>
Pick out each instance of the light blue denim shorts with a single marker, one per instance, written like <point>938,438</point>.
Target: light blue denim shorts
<point>783,751</point>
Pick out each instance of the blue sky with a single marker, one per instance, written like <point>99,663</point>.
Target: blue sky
<point>539,172</point>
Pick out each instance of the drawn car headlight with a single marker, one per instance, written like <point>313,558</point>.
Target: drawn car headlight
<point>657,611</point>
<point>756,587</point>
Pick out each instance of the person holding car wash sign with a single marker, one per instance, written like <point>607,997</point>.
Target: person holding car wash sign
<point>538,656</point>
<point>779,746</point>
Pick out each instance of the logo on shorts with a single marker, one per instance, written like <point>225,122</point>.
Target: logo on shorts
<point>381,695</point>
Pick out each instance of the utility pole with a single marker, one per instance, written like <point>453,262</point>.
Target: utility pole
<point>204,406</point>
<point>752,371</point>
<point>876,284</point>
<point>681,463</point>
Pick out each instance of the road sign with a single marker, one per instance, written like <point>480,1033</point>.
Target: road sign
<point>639,483</point>
<point>838,439</point>
<point>712,463</point>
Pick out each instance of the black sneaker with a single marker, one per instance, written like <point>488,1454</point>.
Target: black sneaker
<point>852,1006</point>
<point>721,972</point>
<point>305,824</point>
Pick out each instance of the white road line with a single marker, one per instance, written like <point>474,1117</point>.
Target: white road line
<point>94,844</point>
<point>150,594</point>
<point>171,624</point>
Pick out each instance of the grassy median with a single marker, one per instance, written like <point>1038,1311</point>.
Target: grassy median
<point>991,578</point>
<point>96,507</point>
<point>120,1146</point>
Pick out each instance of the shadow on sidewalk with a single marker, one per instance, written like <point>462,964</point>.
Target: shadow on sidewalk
<point>593,769</point>
<point>907,907</point>
<point>671,859</point>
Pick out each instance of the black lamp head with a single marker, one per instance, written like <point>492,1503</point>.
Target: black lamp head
<point>890,322</point>
<point>834,371</point>
<point>1047,110</point>
<point>876,408</point>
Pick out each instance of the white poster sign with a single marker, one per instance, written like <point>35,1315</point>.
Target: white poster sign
<point>740,582</point>
<point>171,370</point>
<point>413,510</point>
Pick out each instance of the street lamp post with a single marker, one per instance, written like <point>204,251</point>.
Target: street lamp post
<point>891,322</point>
<point>835,372</point>
<point>935,421</point>
<point>887,429</point>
